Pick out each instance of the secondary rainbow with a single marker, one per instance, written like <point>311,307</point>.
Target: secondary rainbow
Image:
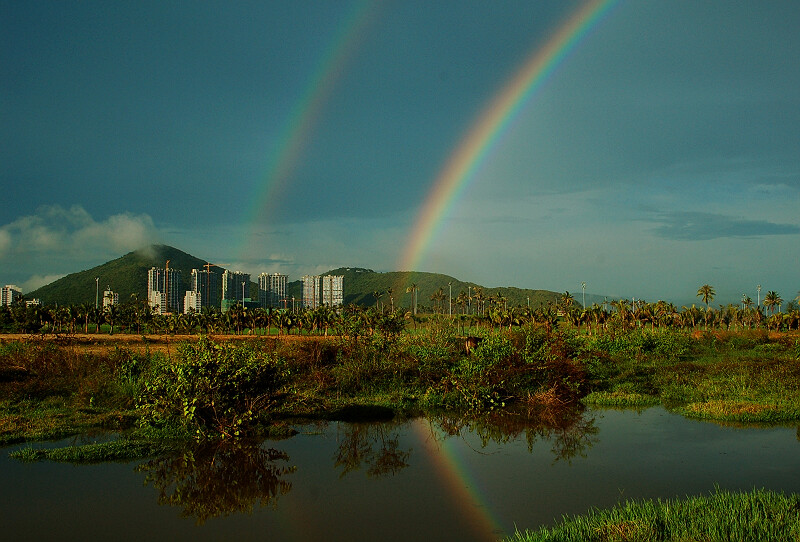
<point>485,132</point>
<point>307,108</point>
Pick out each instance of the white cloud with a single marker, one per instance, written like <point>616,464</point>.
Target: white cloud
<point>41,247</point>
<point>37,281</point>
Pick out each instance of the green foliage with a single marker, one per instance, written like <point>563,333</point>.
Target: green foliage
<point>642,344</point>
<point>214,389</point>
<point>720,517</point>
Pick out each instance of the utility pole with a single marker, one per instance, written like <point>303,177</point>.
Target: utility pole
<point>450,297</point>
<point>96,291</point>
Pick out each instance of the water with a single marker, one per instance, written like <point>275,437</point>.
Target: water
<point>427,479</point>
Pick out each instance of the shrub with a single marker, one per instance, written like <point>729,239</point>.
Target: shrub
<point>215,390</point>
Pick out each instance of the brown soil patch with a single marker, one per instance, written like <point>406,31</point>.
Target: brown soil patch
<point>101,343</point>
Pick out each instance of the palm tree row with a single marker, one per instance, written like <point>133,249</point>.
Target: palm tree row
<point>136,316</point>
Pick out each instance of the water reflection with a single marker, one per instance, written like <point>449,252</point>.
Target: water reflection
<point>431,478</point>
<point>570,431</point>
<point>219,479</point>
<point>233,477</point>
<point>373,445</point>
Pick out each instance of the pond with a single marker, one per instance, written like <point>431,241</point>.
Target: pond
<point>426,479</point>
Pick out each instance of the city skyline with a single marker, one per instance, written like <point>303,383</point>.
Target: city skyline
<point>645,149</point>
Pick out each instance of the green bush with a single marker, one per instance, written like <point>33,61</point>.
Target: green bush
<point>214,389</point>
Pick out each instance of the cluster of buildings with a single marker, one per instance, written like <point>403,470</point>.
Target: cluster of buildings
<point>165,292</point>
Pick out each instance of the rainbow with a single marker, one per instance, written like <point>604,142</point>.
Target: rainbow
<point>463,488</point>
<point>491,124</point>
<point>307,109</point>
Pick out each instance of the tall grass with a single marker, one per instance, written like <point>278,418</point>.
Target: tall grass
<point>723,516</point>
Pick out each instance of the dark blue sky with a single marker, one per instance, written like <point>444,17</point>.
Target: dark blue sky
<point>661,154</point>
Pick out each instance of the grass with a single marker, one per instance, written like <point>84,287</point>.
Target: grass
<point>745,377</point>
<point>54,418</point>
<point>620,399</point>
<point>723,516</point>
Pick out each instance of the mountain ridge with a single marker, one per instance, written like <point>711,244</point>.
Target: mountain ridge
<point>127,276</point>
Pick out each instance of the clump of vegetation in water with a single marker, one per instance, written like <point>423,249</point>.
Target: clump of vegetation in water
<point>720,517</point>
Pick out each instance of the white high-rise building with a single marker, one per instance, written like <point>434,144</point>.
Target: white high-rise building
<point>333,290</point>
<point>192,301</point>
<point>157,301</point>
<point>10,293</point>
<point>272,290</point>
<point>311,298</point>
<point>166,283</point>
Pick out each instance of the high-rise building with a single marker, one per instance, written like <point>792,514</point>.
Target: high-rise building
<point>235,286</point>
<point>272,290</point>
<point>311,298</point>
<point>333,290</point>
<point>110,298</point>
<point>206,283</point>
<point>157,301</point>
<point>192,301</point>
<point>10,293</point>
<point>164,289</point>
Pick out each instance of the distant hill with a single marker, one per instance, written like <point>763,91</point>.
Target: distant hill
<point>128,275</point>
<point>360,285</point>
<point>125,275</point>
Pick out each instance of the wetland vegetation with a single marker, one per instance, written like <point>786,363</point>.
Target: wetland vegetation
<point>190,394</point>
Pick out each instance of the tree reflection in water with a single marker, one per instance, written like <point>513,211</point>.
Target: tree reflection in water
<point>375,445</point>
<point>219,479</point>
<point>568,429</point>
<point>232,477</point>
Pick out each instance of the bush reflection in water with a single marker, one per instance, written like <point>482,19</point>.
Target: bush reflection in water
<point>231,477</point>
<point>568,430</point>
<point>220,479</point>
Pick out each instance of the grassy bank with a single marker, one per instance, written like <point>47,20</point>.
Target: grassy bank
<point>720,517</point>
<point>219,389</point>
<point>741,377</point>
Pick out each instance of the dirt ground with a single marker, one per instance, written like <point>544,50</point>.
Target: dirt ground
<point>103,343</point>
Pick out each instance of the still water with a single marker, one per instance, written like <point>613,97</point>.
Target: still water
<point>424,479</point>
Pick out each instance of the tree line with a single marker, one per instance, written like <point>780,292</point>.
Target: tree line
<point>468,311</point>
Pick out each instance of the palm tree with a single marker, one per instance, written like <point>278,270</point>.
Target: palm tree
<point>112,313</point>
<point>377,295</point>
<point>461,300</point>
<point>707,293</point>
<point>771,300</point>
<point>566,301</point>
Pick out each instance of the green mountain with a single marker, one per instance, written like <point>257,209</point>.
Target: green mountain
<point>126,275</point>
<point>361,284</point>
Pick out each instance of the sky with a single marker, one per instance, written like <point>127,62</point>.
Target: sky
<point>655,149</point>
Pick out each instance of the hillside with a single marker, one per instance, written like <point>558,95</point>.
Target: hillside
<point>128,275</point>
<point>125,275</point>
<point>360,285</point>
